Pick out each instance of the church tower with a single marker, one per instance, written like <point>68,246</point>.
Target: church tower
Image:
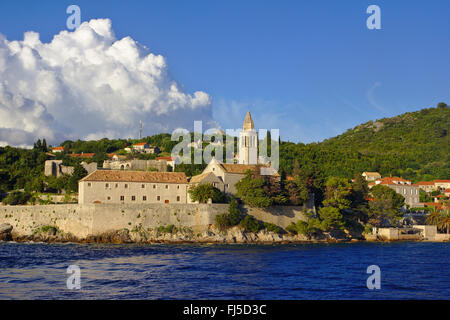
<point>248,142</point>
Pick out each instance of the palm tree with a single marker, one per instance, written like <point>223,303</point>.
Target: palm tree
<point>444,223</point>
<point>433,218</point>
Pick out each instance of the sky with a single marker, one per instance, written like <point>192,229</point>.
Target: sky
<point>309,68</point>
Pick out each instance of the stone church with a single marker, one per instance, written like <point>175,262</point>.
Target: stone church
<point>224,176</point>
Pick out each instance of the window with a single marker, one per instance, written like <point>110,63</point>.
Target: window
<point>167,186</point>
<point>107,185</point>
<point>133,198</point>
<point>109,198</point>
<point>154,186</point>
<point>117,185</point>
<point>178,187</point>
<point>122,198</point>
<point>158,198</point>
<point>144,198</point>
<point>178,198</point>
<point>89,184</point>
<point>143,186</point>
<point>126,186</point>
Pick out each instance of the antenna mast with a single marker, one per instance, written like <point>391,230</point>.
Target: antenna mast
<point>140,129</point>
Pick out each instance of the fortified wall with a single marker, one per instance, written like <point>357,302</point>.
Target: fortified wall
<point>95,219</point>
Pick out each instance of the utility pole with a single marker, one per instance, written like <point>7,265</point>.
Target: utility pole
<point>140,129</point>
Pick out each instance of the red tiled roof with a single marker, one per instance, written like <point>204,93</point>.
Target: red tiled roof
<point>140,144</point>
<point>82,155</point>
<point>136,176</point>
<point>390,180</point>
<point>448,181</point>
<point>58,148</point>
<point>424,183</point>
<point>168,158</point>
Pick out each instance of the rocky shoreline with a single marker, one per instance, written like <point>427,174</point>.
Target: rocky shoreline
<point>234,235</point>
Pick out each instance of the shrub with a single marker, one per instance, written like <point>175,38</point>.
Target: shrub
<point>167,229</point>
<point>250,224</point>
<point>234,214</point>
<point>272,227</point>
<point>222,221</point>
<point>203,192</point>
<point>17,198</point>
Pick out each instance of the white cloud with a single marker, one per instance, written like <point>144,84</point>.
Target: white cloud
<point>87,84</point>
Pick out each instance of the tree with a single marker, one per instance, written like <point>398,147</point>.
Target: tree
<point>17,198</point>
<point>444,222</point>
<point>205,191</point>
<point>78,173</point>
<point>234,214</point>
<point>433,218</point>
<point>384,209</point>
<point>337,193</point>
<point>331,219</point>
<point>251,191</point>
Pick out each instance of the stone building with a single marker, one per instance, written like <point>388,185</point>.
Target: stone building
<point>120,187</point>
<point>224,176</point>
<point>248,142</point>
<point>371,176</point>
<point>227,175</point>
<point>401,186</point>
<point>56,169</point>
<point>144,165</point>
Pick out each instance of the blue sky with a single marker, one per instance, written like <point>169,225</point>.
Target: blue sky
<point>310,68</point>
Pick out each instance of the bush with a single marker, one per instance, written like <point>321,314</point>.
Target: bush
<point>222,221</point>
<point>271,227</point>
<point>167,229</point>
<point>203,192</point>
<point>17,198</point>
<point>250,224</point>
<point>234,214</point>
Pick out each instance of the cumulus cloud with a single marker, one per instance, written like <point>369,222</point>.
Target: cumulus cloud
<point>88,84</point>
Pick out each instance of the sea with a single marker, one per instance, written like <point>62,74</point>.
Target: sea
<point>403,270</point>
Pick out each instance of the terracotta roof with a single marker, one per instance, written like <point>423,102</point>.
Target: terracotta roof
<point>140,144</point>
<point>448,181</point>
<point>390,180</point>
<point>424,183</point>
<point>58,148</point>
<point>241,168</point>
<point>82,155</point>
<point>237,168</point>
<point>201,177</point>
<point>136,176</point>
<point>168,158</point>
<point>447,190</point>
<point>438,206</point>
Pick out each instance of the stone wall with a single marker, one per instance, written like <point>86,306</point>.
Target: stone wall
<point>95,219</point>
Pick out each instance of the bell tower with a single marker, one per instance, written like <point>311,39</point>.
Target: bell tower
<point>248,142</point>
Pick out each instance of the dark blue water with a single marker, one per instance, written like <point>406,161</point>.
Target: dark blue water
<point>310,271</point>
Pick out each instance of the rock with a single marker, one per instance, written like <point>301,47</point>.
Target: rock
<point>5,232</point>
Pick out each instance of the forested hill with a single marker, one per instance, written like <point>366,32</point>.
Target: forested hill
<point>414,145</point>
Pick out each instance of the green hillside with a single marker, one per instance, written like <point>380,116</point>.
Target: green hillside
<point>414,145</point>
